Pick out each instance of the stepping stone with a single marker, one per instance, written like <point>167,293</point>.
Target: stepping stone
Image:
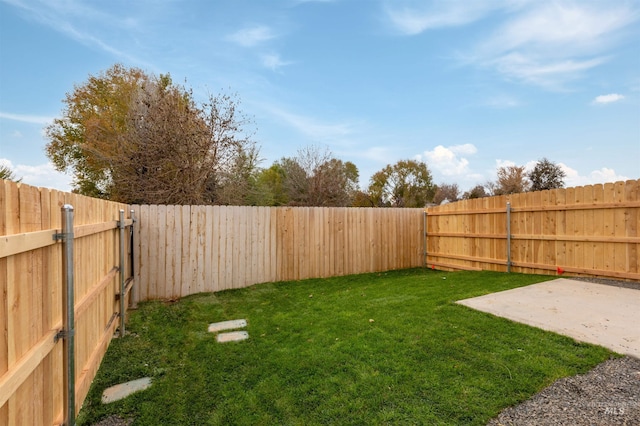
<point>118,392</point>
<point>227,325</point>
<point>234,336</point>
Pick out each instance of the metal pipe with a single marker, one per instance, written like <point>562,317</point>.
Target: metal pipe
<point>508,237</point>
<point>424,240</point>
<point>122,295</point>
<point>68,320</point>
<point>132,301</point>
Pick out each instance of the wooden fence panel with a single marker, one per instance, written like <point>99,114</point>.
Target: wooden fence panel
<point>590,231</point>
<point>233,247</point>
<point>31,381</point>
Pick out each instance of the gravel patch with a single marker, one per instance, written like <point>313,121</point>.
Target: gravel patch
<point>114,421</point>
<point>616,283</point>
<point>607,395</point>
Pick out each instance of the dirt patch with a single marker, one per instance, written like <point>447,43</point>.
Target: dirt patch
<point>607,395</point>
<point>114,421</point>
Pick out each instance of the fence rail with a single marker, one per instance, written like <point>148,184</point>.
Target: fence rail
<point>181,250</point>
<point>31,299</point>
<point>591,230</point>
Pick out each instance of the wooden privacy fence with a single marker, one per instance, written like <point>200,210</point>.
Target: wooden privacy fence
<point>32,334</point>
<point>181,250</point>
<point>590,230</point>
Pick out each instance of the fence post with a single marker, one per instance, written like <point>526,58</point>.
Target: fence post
<point>508,236</point>
<point>424,240</point>
<point>122,295</point>
<point>68,311</point>
<point>133,303</point>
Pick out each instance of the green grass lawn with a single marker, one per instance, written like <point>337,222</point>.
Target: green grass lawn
<point>314,355</point>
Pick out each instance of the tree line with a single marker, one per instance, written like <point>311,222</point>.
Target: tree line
<point>132,137</point>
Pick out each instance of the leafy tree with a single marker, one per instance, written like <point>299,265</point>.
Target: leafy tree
<point>270,186</point>
<point>135,138</point>
<point>408,183</point>
<point>477,191</point>
<point>446,191</point>
<point>7,174</point>
<point>95,116</point>
<point>296,182</point>
<point>237,183</point>
<point>511,180</point>
<point>362,199</point>
<point>546,175</point>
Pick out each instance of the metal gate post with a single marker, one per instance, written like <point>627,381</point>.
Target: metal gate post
<point>68,320</point>
<point>132,300</point>
<point>122,295</point>
<point>424,240</point>
<point>508,237</point>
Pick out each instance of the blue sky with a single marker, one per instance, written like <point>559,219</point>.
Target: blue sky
<point>466,86</point>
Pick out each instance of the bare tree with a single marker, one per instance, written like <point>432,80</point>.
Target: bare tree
<point>316,178</point>
<point>446,191</point>
<point>511,180</point>
<point>135,138</point>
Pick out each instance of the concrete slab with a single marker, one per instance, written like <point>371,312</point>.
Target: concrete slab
<point>227,325</point>
<point>605,315</point>
<point>234,336</point>
<point>118,392</point>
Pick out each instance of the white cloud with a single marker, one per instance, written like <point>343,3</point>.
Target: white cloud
<point>607,99</point>
<point>315,130</point>
<point>548,43</point>
<point>80,21</point>
<point>273,62</point>
<point>603,175</point>
<point>573,177</point>
<point>249,37</point>
<point>578,27</point>
<point>16,134</point>
<point>412,18</point>
<point>542,71</point>
<point>502,102</point>
<point>25,118</point>
<point>504,163</point>
<point>449,161</point>
<point>43,175</point>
